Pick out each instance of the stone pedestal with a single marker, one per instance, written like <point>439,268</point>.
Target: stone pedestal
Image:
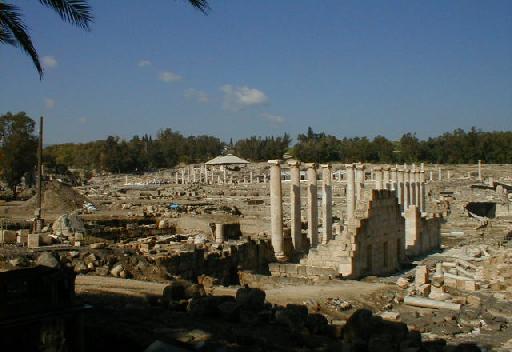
<point>312,205</point>
<point>219,233</point>
<point>276,208</point>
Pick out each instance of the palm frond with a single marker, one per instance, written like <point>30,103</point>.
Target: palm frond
<point>201,5</point>
<point>6,36</point>
<point>15,33</point>
<point>77,12</point>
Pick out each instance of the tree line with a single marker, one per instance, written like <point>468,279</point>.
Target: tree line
<point>18,145</point>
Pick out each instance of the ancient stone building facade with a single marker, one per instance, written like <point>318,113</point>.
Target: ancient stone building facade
<point>372,243</point>
<point>384,221</point>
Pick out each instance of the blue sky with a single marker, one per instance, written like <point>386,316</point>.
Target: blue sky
<point>263,67</point>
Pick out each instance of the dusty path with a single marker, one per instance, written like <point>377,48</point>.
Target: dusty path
<point>348,290</point>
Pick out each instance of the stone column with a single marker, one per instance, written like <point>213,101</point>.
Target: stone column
<point>385,178</point>
<point>182,176</point>
<point>394,179</point>
<point>379,184</point>
<point>359,181</point>
<point>312,205</point>
<point>406,189</point>
<point>264,178</point>
<point>176,177</point>
<point>400,188</point>
<point>250,177</point>
<point>224,175</point>
<point>194,174</point>
<point>219,233</point>
<point>448,174</point>
<point>188,174</point>
<point>351,197</point>
<point>422,191</point>
<point>296,228</point>
<point>326,203</point>
<point>479,170</point>
<point>431,176</point>
<point>417,186</point>
<point>440,174</point>
<point>276,208</point>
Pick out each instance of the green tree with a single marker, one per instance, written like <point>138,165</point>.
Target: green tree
<point>14,31</point>
<point>18,147</point>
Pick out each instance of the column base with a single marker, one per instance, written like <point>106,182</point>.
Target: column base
<point>281,257</point>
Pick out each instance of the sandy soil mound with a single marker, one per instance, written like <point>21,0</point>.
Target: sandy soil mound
<point>58,197</point>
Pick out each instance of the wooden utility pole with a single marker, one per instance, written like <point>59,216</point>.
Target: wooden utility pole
<point>38,223</point>
<point>40,165</point>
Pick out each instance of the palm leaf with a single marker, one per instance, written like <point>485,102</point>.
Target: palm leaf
<point>201,5</point>
<point>77,12</point>
<point>14,32</point>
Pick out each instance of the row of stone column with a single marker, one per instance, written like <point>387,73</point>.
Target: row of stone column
<point>276,206</point>
<point>409,184</point>
<point>188,175</point>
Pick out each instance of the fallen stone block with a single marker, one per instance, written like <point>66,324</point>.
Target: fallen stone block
<point>430,303</point>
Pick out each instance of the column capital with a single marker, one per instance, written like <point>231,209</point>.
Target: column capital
<point>311,165</point>
<point>326,166</point>
<point>350,166</point>
<point>275,162</point>
<point>293,163</point>
<point>360,166</point>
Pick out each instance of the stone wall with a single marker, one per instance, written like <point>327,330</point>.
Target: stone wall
<point>377,239</point>
<point>422,234</point>
<point>371,244</point>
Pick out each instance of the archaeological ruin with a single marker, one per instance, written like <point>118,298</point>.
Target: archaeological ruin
<point>224,251</point>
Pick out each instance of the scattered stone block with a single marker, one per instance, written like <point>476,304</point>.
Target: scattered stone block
<point>421,277</point>
<point>393,316</point>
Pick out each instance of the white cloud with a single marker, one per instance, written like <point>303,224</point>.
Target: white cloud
<point>197,95</point>
<point>144,63</point>
<point>82,120</point>
<point>238,98</point>
<point>49,62</point>
<point>49,103</point>
<point>168,76</point>
<point>273,119</point>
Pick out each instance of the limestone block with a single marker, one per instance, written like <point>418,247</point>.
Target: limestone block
<point>421,275</point>
<point>450,282</point>
<point>424,290</point>
<point>471,285</point>
<point>8,236</point>
<point>33,240</point>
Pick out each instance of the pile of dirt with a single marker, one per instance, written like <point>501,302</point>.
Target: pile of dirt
<point>58,197</point>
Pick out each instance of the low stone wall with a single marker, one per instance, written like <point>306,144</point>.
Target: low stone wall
<point>301,271</point>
